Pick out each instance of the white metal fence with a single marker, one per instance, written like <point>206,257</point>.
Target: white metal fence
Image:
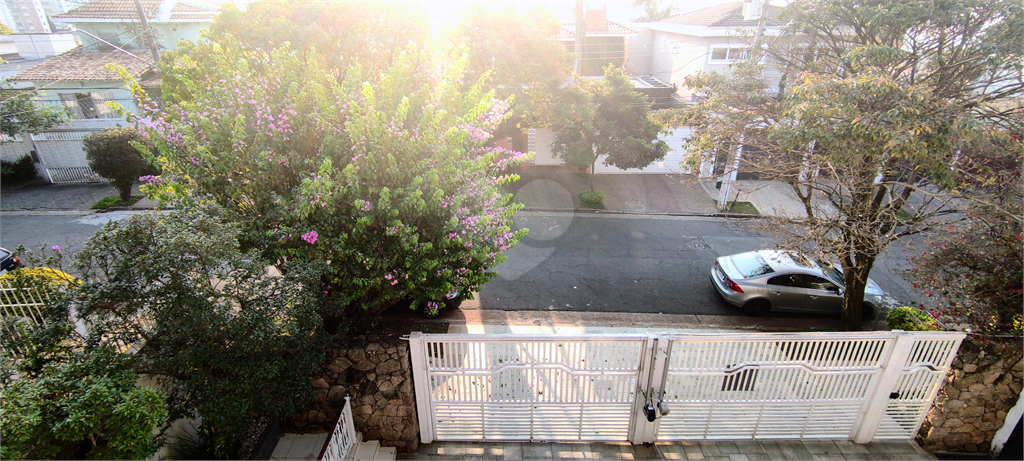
<point>857,386</point>
<point>24,305</point>
<point>72,175</point>
<point>343,439</point>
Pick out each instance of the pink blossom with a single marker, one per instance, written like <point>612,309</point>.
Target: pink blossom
<point>310,237</point>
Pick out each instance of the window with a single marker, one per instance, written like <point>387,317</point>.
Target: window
<point>728,54</point>
<point>818,283</point>
<point>88,105</point>
<point>789,280</point>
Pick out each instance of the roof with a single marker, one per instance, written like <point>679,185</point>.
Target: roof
<point>79,65</point>
<point>155,10</point>
<point>612,29</point>
<point>722,15</point>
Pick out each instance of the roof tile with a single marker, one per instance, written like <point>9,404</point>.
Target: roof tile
<point>80,65</point>
<point>202,10</point>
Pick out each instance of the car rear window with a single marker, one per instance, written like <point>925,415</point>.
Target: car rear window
<point>4,254</point>
<point>751,264</point>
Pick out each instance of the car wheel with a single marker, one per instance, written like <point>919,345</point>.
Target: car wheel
<point>867,312</point>
<point>758,307</point>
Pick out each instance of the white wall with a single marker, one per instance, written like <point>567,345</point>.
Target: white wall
<point>540,143</point>
<point>677,56</point>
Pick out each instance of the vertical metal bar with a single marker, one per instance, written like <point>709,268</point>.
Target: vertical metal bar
<point>638,422</point>
<point>421,382</point>
<point>877,400</point>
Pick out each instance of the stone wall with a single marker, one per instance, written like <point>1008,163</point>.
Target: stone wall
<point>984,383</point>
<point>375,372</point>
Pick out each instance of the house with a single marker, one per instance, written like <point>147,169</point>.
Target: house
<point>110,33</point>
<point>606,43</point>
<point>707,40</point>
<point>704,40</point>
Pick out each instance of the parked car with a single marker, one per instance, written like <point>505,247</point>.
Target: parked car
<point>8,262</point>
<point>772,280</point>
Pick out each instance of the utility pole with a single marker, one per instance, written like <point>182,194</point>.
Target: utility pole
<point>581,31</point>
<point>150,41</point>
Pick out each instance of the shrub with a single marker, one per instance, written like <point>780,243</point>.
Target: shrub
<point>591,197</point>
<point>112,154</point>
<point>39,277</point>
<point>911,319</point>
<point>20,170</point>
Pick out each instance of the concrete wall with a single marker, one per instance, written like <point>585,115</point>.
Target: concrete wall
<point>984,384</point>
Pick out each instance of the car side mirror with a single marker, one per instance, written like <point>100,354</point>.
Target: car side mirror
<point>839,291</point>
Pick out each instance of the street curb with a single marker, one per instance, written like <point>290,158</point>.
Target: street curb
<point>620,212</point>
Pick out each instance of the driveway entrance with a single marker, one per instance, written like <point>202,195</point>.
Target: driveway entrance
<point>861,386</point>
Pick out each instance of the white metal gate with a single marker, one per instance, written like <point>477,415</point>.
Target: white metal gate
<point>645,388</point>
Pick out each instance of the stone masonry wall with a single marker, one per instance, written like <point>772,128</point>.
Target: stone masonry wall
<point>983,384</point>
<point>375,372</point>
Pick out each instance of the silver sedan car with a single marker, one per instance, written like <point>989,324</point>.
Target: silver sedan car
<point>767,280</point>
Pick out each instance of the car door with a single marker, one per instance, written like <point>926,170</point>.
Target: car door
<point>787,292</point>
<point>824,295</point>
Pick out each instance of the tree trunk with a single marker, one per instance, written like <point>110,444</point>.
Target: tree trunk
<point>856,279</point>
<point>124,192</point>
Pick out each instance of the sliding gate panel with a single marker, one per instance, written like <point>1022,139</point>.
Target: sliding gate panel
<point>859,386</point>
<point>529,388</point>
<point>732,387</point>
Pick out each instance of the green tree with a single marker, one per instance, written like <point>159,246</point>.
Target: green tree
<point>972,272</point>
<point>224,339</point>
<point>518,54</point>
<point>385,174</point>
<point>112,153</point>
<point>19,112</point>
<point>606,118</point>
<point>651,11</point>
<point>71,397</point>
<point>86,403</point>
<point>877,101</point>
<point>343,32</point>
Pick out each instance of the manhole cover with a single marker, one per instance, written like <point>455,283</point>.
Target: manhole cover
<point>699,246</point>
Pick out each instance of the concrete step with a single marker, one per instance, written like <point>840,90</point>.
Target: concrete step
<point>366,451</point>
<point>386,454</point>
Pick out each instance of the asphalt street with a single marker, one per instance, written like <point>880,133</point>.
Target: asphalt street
<point>44,229</point>
<point>568,262</point>
<point>626,263</point>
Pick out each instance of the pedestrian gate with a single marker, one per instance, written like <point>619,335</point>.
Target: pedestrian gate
<point>667,387</point>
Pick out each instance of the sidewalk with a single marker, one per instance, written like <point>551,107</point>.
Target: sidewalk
<point>38,195</point>
<point>557,188</point>
<point>743,450</point>
<point>540,188</point>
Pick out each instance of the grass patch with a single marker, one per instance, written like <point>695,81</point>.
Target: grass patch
<point>115,200</point>
<point>591,199</point>
<point>742,207</point>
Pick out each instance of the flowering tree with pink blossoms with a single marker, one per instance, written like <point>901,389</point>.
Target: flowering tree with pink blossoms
<point>388,176</point>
